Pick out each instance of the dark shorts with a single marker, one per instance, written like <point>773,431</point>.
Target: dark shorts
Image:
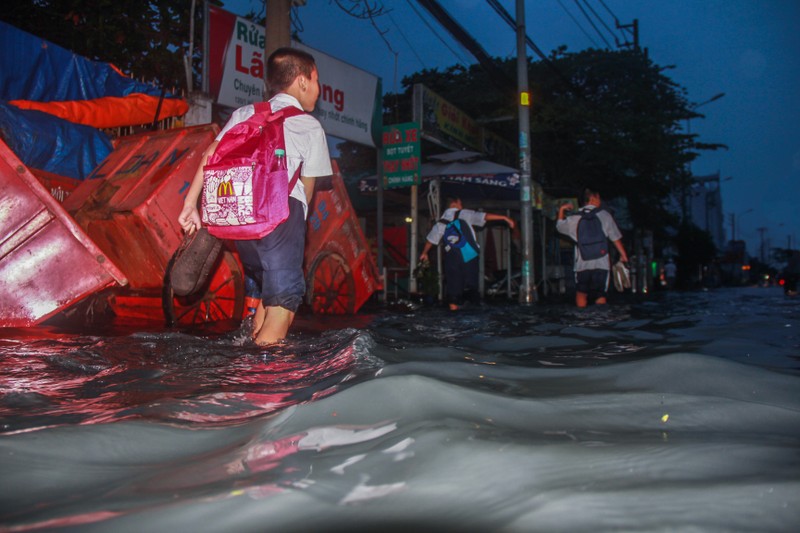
<point>275,262</point>
<point>593,282</point>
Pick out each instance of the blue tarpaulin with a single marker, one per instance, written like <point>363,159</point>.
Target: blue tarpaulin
<point>34,69</point>
<point>49,143</point>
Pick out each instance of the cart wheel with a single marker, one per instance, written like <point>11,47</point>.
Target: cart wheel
<point>223,298</point>
<point>331,288</point>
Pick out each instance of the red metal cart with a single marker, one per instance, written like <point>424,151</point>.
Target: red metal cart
<point>125,216</point>
<point>47,262</point>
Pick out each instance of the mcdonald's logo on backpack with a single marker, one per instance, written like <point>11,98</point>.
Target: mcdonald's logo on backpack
<point>225,189</point>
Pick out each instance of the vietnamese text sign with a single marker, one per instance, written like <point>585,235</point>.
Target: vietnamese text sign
<point>444,121</point>
<point>401,154</point>
<point>349,100</point>
<point>236,59</point>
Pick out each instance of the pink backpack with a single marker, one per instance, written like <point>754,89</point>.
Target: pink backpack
<point>245,181</point>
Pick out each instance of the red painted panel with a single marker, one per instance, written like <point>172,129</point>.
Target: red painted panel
<point>334,227</point>
<point>132,214</point>
<point>47,263</point>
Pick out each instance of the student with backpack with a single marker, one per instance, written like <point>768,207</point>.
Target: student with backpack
<point>274,260</point>
<point>454,231</point>
<point>591,229</point>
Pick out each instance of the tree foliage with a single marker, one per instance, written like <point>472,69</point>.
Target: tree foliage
<point>146,39</point>
<point>609,119</point>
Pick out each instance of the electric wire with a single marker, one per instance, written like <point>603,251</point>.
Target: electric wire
<point>578,24</point>
<point>591,23</point>
<point>624,30</point>
<point>497,75</point>
<point>620,28</point>
<point>408,43</point>
<point>603,22</point>
<point>297,24</point>
<point>613,15</point>
<point>436,34</point>
<point>506,16</point>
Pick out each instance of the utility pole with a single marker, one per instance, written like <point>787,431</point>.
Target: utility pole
<point>733,227</point>
<point>277,26</point>
<point>761,231</point>
<point>634,27</point>
<point>527,292</point>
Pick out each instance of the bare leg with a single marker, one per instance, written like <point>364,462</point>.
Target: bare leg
<point>275,326</point>
<point>581,299</point>
<point>601,301</point>
<point>258,318</point>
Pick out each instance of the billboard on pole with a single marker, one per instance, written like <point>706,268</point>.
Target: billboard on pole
<point>348,105</point>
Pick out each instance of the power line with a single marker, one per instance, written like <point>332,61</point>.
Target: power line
<point>616,20</point>
<point>578,24</point>
<point>496,74</point>
<point>586,16</point>
<point>408,43</point>
<point>436,34</point>
<point>623,29</point>
<point>505,15</point>
<point>599,18</point>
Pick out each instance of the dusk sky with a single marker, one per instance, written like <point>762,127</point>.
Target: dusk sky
<point>747,49</point>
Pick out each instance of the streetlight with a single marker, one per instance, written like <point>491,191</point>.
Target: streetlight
<point>712,99</point>
<point>701,104</point>
<point>788,236</point>
<point>693,109</point>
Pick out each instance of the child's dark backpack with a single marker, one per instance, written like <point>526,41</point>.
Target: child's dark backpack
<point>592,241</point>
<point>456,238</point>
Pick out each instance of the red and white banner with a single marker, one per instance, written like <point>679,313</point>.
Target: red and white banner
<point>349,102</point>
<point>236,59</point>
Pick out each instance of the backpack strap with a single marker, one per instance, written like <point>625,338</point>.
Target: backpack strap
<point>262,108</point>
<point>284,113</point>
<point>294,179</point>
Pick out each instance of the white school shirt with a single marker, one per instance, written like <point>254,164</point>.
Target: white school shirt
<point>305,142</point>
<point>472,218</point>
<point>569,227</point>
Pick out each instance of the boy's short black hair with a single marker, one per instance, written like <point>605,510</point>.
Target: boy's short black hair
<point>285,64</point>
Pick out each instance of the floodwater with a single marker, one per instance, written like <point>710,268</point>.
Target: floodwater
<point>677,412</point>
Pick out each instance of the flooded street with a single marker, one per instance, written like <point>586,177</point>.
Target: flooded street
<point>680,411</point>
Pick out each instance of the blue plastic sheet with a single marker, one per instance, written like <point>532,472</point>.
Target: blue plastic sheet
<point>49,143</point>
<point>32,68</point>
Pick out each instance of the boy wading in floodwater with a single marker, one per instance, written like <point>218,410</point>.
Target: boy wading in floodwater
<point>276,260</point>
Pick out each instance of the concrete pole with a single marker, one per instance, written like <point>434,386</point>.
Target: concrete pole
<point>413,254</point>
<point>527,292</point>
<point>204,84</point>
<point>277,26</point>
